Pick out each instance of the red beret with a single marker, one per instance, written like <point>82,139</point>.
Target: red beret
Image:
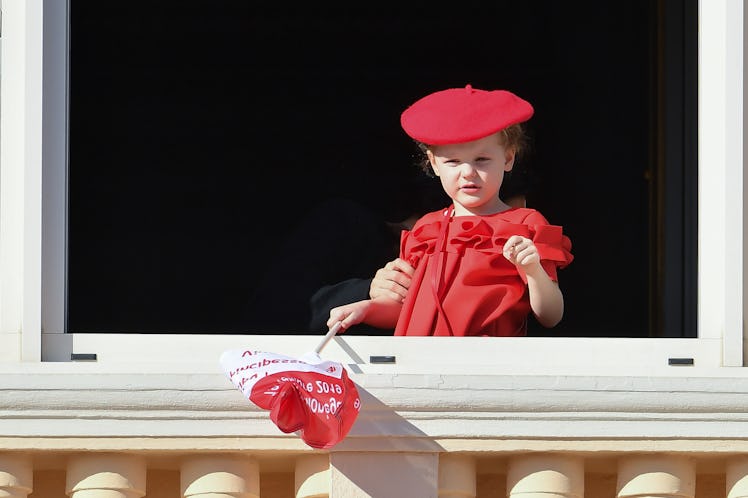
<point>461,115</point>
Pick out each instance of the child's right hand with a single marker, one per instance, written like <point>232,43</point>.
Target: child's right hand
<point>349,314</point>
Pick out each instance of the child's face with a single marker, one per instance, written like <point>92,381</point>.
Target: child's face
<point>471,173</point>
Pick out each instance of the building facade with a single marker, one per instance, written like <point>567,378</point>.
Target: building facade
<point>129,415</point>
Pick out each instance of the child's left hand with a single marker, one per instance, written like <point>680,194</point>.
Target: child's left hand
<point>521,251</point>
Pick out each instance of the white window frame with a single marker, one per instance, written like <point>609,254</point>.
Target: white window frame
<point>33,157</point>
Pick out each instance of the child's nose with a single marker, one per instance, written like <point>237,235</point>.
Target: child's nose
<point>467,170</point>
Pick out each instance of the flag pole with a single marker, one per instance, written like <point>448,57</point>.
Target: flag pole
<point>330,334</point>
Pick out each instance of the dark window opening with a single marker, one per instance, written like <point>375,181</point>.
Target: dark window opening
<point>200,138</point>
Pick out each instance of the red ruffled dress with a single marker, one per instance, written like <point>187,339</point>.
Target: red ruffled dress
<point>463,285</point>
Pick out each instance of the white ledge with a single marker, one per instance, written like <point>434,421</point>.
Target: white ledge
<point>414,410</point>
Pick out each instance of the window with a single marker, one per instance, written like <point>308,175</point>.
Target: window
<point>704,318</point>
<point>187,130</point>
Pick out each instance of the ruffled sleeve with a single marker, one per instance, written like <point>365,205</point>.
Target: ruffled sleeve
<point>421,241</point>
<point>554,248</point>
<point>552,244</point>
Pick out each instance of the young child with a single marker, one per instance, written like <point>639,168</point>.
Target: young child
<point>481,266</point>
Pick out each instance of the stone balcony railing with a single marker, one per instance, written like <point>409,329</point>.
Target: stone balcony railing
<point>93,430</point>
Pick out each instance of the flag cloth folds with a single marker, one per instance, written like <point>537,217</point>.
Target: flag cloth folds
<point>307,394</point>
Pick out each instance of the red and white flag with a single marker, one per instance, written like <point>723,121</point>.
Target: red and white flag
<point>305,394</point>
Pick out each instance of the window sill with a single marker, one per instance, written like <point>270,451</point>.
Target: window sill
<point>417,355</point>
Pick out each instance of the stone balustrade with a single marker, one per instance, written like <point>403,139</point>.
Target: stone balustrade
<point>87,431</point>
<point>354,474</point>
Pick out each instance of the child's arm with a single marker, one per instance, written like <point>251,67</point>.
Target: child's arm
<point>546,299</point>
<point>379,312</point>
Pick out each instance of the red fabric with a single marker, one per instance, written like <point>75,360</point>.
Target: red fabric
<point>469,288</point>
<point>458,115</point>
<point>308,395</point>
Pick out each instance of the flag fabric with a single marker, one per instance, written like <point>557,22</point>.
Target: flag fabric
<point>307,394</point>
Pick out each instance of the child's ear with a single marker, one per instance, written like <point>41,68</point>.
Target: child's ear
<point>432,161</point>
<point>509,157</point>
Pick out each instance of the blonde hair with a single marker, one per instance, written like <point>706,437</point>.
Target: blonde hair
<point>513,137</point>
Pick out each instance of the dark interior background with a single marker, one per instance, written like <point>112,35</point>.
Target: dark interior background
<point>200,137</point>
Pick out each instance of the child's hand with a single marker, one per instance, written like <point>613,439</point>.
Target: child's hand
<point>521,251</point>
<point>348,314</point>
<point>392,281</point>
